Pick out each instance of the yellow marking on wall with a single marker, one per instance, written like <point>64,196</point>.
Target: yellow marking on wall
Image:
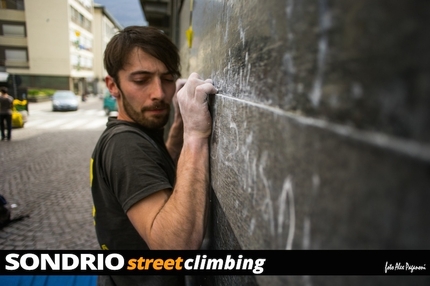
<point>189,33</point>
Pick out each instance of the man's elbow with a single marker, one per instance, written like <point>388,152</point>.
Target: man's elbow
<point>193,242</point>
<point>189,245</point>
<point>193,245</point>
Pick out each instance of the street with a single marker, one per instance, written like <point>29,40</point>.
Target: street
<point>45,175</point>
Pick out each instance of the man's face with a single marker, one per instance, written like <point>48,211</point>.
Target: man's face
<point>145,90</point>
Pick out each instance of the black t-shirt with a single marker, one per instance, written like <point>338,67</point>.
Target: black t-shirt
<point>128,164</point>
<point>6,105</point>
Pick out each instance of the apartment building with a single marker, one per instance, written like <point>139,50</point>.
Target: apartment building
<point>105,27</point>
<point>54,43</point>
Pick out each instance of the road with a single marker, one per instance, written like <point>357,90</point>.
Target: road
<point>89,116</point>
<point>45,173</point>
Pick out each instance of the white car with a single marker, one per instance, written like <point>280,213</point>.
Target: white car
<point>65,100</point>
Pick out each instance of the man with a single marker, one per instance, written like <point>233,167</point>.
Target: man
<point>149,194</point>
<point>6,105</point>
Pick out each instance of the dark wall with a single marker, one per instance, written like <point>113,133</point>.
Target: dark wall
<point>53,82</point>
<point>320,135</point>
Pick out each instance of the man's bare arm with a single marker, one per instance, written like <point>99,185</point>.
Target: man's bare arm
<point>176,219</point>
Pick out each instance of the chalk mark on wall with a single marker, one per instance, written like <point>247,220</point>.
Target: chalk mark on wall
<point>324,23</point>
<point>286,199</point>
<point>267,206</point>
<point>274,207</point>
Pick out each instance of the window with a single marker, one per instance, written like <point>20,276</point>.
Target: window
<point>16,58</point>
<point>75,15</point>
<point>12,4</point>
<point>19,4</point>
<point>86,3</point>
<point>14,30</point>
<point>80,19</point>
<point>16,55</point>
<point>74,60</point>
<point>87,63</point>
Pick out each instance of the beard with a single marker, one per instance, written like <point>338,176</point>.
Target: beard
<point>153,122</point>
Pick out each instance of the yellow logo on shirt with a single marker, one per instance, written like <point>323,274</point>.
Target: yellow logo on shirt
<point>91,172</point>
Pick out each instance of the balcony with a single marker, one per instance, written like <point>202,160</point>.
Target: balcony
<point>13,41</point>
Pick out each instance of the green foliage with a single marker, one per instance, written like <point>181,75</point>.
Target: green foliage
<point>42,92</point>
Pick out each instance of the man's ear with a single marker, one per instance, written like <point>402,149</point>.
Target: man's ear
<point>111,85</point>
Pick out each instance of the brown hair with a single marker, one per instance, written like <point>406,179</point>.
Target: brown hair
<point>151,40</point>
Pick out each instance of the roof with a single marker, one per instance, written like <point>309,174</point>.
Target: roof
<point>108,15</point>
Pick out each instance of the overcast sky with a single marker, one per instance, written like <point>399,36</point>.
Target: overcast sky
<point>126,12</point>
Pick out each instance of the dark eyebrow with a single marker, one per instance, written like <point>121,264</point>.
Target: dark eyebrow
<point>140,73</point>
<point>143,72</point>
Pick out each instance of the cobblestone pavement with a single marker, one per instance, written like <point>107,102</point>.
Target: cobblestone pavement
<point>47,176</point>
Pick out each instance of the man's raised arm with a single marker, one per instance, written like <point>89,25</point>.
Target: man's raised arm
<point>176,220</point>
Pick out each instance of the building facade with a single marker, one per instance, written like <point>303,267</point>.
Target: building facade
<point>51,43</point>
<point>105,27</point>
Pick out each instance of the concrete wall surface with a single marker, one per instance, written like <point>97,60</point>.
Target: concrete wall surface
<point>321,127</point>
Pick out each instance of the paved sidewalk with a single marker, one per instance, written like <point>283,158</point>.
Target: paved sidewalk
<point>47,177</point>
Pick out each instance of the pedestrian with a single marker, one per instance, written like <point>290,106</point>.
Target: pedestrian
<point>151,194</point>
<point>6,105</point>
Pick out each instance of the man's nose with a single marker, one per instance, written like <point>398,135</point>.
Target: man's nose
<point>157,90</point>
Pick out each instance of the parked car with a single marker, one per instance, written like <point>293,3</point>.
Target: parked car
<point>109,103</point>
<point>65,100</point>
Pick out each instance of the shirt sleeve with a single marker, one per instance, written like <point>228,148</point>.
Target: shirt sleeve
<point>134,168</point>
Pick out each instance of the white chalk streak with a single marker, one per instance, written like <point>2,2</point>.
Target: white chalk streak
<point>407,147</point>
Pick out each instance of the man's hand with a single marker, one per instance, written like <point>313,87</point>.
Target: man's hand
<point>179,84</point>
<point>193,104</point>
